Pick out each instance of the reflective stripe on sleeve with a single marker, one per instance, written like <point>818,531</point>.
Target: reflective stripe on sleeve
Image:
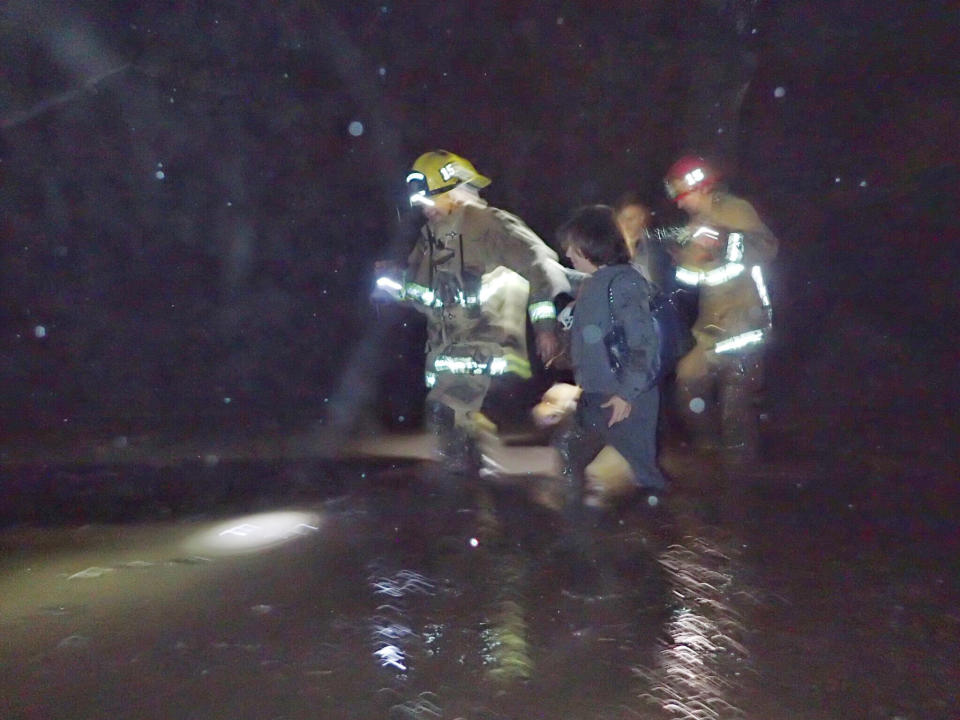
<point>544,310</point>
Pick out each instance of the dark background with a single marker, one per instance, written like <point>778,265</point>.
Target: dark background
<point>189,223</point>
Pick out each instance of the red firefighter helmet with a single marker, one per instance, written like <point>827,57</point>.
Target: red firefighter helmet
<point>687,174</point>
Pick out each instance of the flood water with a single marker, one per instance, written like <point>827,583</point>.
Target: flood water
<point>298,589</point>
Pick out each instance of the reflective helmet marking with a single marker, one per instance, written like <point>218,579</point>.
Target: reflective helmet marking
<point>687,174</point>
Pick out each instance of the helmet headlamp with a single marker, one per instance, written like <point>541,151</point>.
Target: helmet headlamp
<point>417,189</point>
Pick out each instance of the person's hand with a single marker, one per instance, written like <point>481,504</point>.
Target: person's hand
<point>621,409</point>
<point>548,345</point>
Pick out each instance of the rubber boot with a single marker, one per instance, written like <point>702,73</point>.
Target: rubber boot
<point>457,453</point>
<point>608,478</point>
<point>739,417</point>
<point>569,445</point>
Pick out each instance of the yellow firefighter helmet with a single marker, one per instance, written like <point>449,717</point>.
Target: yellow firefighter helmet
<point>439,171</point>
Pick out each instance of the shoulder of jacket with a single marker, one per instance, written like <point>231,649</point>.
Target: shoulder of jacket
<point>511,223</point>
<point>626,277</point>
<point>482,218</point>
<point>734,212</point>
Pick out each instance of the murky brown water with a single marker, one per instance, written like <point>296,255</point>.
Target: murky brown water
<point>307,591</point>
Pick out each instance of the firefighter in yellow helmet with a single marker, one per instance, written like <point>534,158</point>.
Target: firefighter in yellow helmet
<point>476,272</point>
<point>724,253</point>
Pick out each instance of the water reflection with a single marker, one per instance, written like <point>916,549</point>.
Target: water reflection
<point>384,607</point>
<point>699,665</point>
<point>593,618</point>
<point>390,633</point>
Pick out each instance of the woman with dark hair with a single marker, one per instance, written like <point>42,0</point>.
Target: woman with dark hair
<point>635,218</point>
<point>614,356</point>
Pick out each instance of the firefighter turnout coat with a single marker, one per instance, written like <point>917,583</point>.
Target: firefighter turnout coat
<point>476,274</point>
<point>734,307</point>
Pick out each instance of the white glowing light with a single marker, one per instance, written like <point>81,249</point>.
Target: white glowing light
<point>735,247</point>
<point>159,175</point>
<point>710,278</point>
<point>456,365</point>
<point>252,533</point>
<point>40,331</point>
<point>757,274</point>
<point>355,128</point>
<point>704,235</point>
<point>474,542</point>
<point>738,342</point>
<point>697,405</point>
<point>420,198</point>
<point>491,285</point>
<point>388,284</point>
<point>392,656</point>
<point>779,92</point>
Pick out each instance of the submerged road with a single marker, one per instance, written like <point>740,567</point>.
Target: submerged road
<point>369,587</point>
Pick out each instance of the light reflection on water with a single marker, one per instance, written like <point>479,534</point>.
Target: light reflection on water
<point>699,665</point>
<point>383,607</point>
<point>390,634</point>
<point>527,645</point>
<point>253,533</point>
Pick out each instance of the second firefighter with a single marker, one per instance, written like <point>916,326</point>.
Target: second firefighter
<point>476,272</point>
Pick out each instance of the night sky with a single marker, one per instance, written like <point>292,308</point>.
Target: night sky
<point>194,192</point>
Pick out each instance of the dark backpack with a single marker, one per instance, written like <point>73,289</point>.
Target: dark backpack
<point>673,330</point>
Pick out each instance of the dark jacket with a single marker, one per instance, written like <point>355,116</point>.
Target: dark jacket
<point>592,322</point>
